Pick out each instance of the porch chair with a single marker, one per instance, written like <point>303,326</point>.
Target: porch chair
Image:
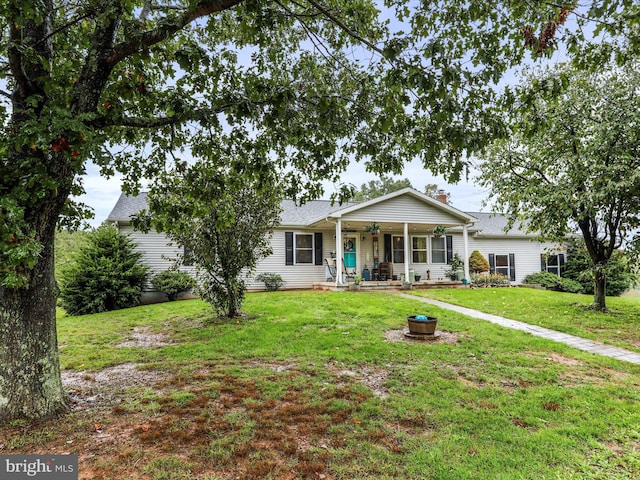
<point>330,263</point>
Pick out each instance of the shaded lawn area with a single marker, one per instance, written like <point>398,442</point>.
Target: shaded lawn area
<point>564,312</point>
<point>322,385</point>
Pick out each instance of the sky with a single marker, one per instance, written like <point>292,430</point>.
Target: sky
<point>102,194</point>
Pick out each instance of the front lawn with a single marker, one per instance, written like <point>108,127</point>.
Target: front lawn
<point>565,312</point>
<point>323,385</point>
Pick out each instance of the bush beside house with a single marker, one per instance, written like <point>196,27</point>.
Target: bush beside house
<point>172,283</point>
<point>619,274</point>
<point>104,274</point>
<point>272,281</point>
<point>478,263</point>
<point>551,281</point>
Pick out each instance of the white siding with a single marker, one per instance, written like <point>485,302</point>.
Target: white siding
<point>404,208</point>
<point>158,252</point>
<point>527,252</point>
<point>295,276</point>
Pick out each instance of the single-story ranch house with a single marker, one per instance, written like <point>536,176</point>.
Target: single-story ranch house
<point>392,237</point>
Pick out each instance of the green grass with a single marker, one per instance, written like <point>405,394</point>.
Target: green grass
<point>565,312</point>
<point>289,392</point>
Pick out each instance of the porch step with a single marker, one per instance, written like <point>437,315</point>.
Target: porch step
<point>389,285</point>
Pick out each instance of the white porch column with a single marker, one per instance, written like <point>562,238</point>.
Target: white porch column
<point>339,252</point>
<point>465,236</point>
<point>406,252</point>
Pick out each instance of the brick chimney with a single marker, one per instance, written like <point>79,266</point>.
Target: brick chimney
<point>441,196</point>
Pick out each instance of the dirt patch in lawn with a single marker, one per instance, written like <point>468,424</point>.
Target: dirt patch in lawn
<point>590,376</point>
<point>87,389</point>
<point>143,337</point>
<point>396,336</point>
<point>557,358</point>
<point>276,367</point>
<point>372,378</point>
<point>219,421</point>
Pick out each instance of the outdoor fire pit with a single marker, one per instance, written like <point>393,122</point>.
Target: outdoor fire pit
<point>422,327</point>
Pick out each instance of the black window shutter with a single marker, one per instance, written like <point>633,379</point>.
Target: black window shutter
<point>492,263</point>
<point>387,247</point>
<point>512,267</point>
<point>317,247</point>
<point>187,258</point>
<point>288,242</point>
<point>543,262</point>
<point>449,242</point>
<point>561,261</point>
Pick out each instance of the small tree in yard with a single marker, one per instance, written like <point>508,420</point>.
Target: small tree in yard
<point>619,273</point>
<point>572,162</point>
<point>478,263</point>
<point>104,274</point>
<point>223,220</point>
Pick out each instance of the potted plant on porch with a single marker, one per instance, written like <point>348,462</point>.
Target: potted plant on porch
<point>439,231</point>
<point>356,283</point>
<point>457,266</point>
<point>373,229</point>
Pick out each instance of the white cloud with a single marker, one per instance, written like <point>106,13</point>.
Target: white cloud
<point>465,195</point>
<point>101,193</point>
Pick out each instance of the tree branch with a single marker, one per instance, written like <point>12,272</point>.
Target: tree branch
<point>70,23</point>
<point>165,31</point>
<point>31,68</point>
<point>15,61</point>
<point>579,15</point>
<point>156,122</point>
<point>344,27</point>
<point>96,70</point>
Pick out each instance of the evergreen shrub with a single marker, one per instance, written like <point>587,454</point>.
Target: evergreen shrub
<point>172,283</point>
<point>104,274</point>
<point>551,281</point>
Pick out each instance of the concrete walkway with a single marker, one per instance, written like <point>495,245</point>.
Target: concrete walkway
<point>596,348</point>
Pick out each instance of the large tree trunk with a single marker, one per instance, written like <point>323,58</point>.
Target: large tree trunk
<point>30,382</point>
<point>600,253</point>
<point>599,290</point>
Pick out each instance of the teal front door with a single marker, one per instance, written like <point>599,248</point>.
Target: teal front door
<point>350,253</point>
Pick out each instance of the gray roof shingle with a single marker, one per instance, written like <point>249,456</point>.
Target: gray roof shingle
<point>293,214</point>
<point>493,224</point>
<point>127,206</point>
<point>488,224</point>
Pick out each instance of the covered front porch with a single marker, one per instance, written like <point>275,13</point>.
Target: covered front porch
<point>402,238</point>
